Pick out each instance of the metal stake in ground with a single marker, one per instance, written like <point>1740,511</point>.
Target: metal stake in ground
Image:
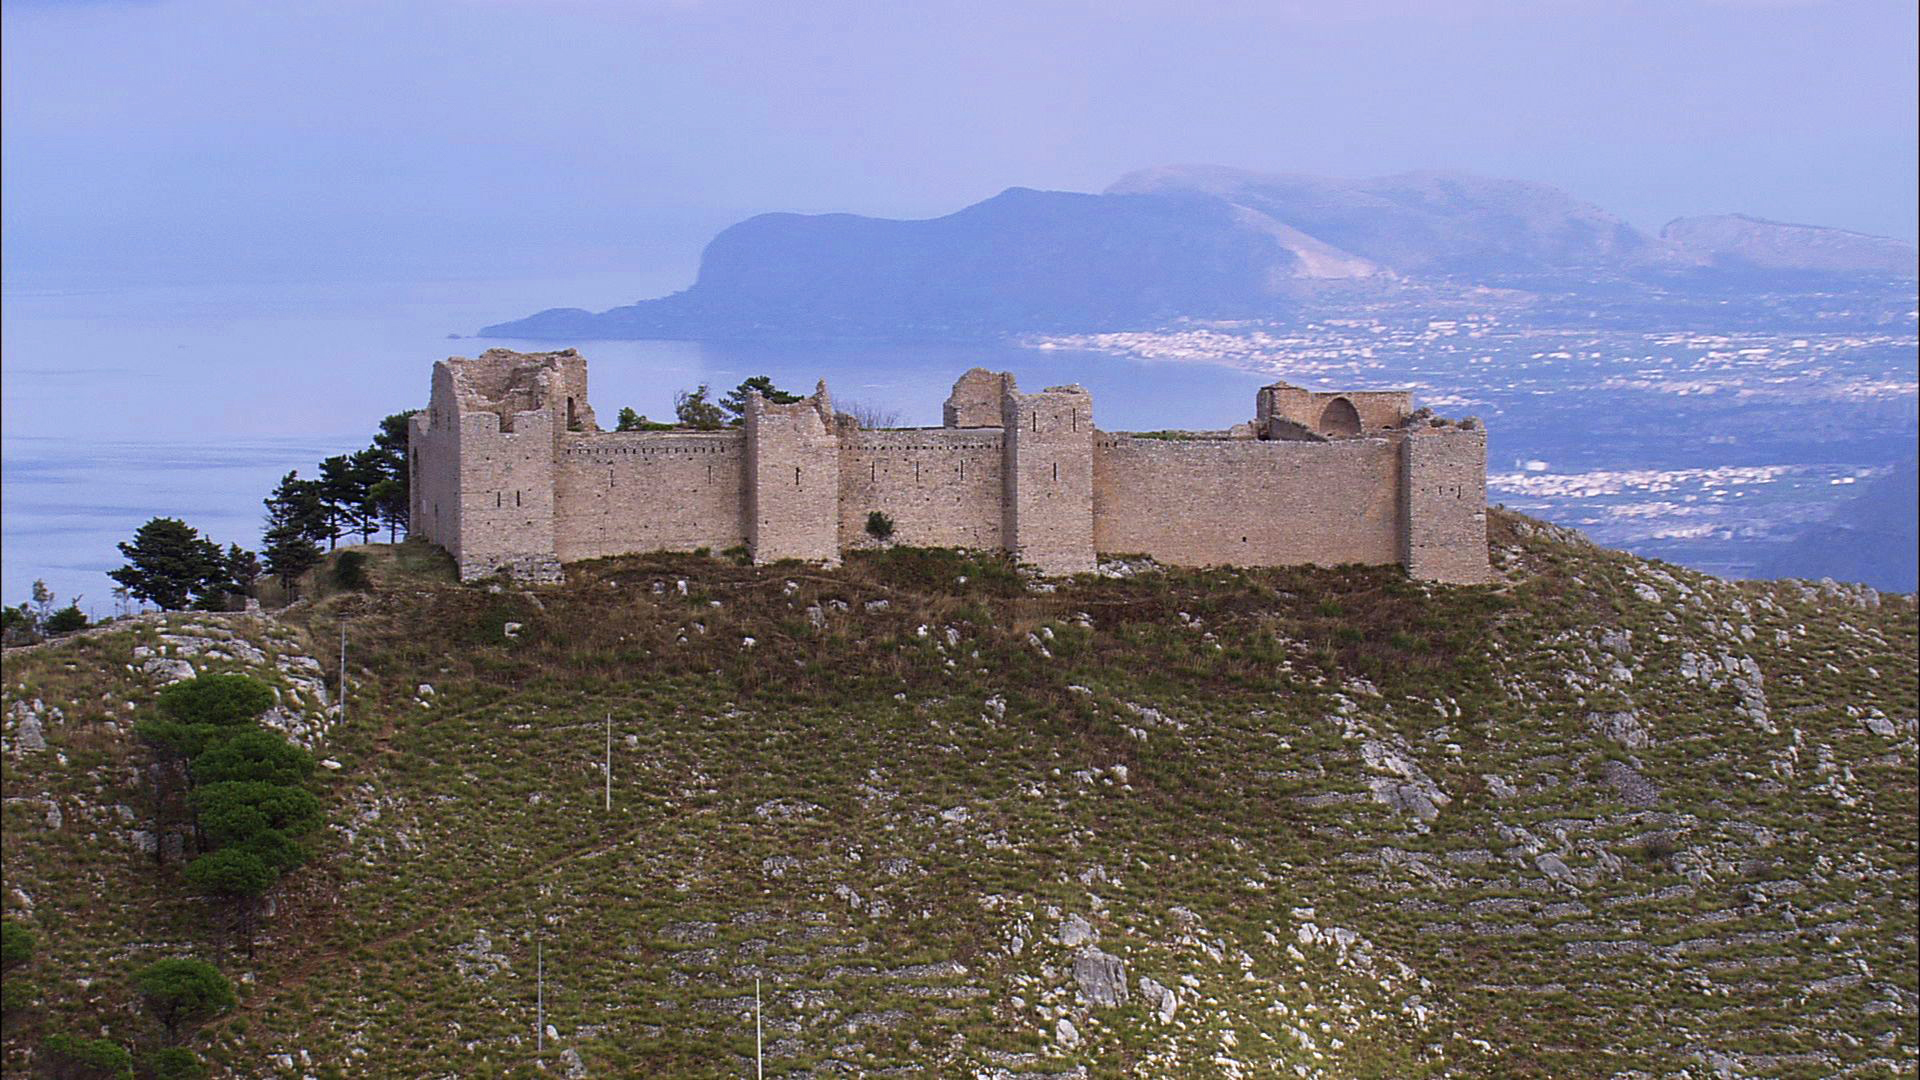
<point>343,671</point>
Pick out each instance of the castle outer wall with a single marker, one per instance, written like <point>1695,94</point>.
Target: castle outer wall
<point>510,473</point>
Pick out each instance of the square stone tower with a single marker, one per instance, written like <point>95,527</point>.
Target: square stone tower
<point>1048,510</point>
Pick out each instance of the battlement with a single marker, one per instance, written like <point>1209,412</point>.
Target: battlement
<point>512,473</point>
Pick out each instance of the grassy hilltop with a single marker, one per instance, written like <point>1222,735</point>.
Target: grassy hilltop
<point>1607,818</point>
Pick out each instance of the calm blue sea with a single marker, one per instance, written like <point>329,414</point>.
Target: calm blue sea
<point>125,403</point>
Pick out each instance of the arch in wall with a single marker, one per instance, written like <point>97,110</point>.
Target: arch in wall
<point>1340,418</point>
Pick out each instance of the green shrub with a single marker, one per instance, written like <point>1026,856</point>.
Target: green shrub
<point>350,570</point>
<point>66,620</point>
<point>87,1059</point>
<point>180,991</point>
<point>174,1063</point>
<point>221,700</point>
<point>879,526</point>
<point>253,755</point>
<point>236,811</point>
<point>16,944</point>
<point>16,994</point>
<point>233,873</point>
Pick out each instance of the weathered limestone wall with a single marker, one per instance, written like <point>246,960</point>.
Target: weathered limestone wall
<point>793,480</point>
<point>975,401</point>
<point>510,472</point>
<point>621,493</point>
<point>506,496</point>
<point>941,486</point>
<point>1048,507</point>
<point>1319,411</point>
<point>1246,502</point>
<point>433,456</point>
<point>1444,504</point>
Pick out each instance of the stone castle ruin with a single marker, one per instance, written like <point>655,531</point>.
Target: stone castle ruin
<point>510,472</point>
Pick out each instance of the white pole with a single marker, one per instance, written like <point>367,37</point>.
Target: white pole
<point>609,761</point>
<point>540,1000</point>
<point>759,1061</point>
<point>343,671</point>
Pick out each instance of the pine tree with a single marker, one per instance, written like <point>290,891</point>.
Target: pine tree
<point>295,520</point>
<point>736,400</point>
<point>171,564</point>
<point>695,409</point>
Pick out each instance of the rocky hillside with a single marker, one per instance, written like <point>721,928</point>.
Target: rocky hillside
<point>1607,818</point>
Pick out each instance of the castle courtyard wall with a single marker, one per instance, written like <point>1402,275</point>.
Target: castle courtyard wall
<point>941,486</point>
<point>1246,502</point>
<point>621,493</point>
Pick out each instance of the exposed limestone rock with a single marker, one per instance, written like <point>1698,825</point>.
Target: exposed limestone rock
<point>1409,789</point>
<point>1624,728</point>
<point>1634,789</point>
<point>1164,1001</point>
<point>1076,931</point>
<point>1102,977</point>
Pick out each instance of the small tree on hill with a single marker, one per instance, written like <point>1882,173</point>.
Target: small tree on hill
<point>695,409</point>
<point>736,400</point>
<point>170,564</point>
<point>66,620</point>
<point>71,1057</point>
<point>628,420</point>
<point>296,521</point>
<point>253,754</point>
<point>181,992</point>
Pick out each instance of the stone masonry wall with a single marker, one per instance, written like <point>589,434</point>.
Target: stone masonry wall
<point>793,480</point>
<point>1048,509</point>
<point>626,492</point>
<point>510,472</point>
<point>1444,503</point>
<point>941,486</point>
<point>1247,502</point>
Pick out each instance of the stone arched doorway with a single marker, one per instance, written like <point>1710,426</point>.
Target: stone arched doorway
<point>1340,418</point>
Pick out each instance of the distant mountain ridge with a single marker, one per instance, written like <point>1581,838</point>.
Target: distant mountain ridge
<point>1194,242</point>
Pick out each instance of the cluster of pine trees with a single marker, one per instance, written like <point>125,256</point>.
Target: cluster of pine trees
<point>363,492</point>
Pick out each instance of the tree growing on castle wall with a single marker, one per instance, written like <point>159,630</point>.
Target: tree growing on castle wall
<point>736,400</point>
<point>696,409</point>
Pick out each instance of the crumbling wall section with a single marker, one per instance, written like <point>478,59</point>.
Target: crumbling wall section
<point>793,480</point>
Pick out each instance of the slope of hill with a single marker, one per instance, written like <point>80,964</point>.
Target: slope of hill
<point>1739,241</point>
<point>1208,242</point>
<point>1873,537</point>
<point>1606,818</point>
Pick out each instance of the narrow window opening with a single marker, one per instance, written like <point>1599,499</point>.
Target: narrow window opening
<point>796,476</point>
<point>1036,421</point>
<point>497,503</point>
<point>1056,470</point>
<point>516,498</point>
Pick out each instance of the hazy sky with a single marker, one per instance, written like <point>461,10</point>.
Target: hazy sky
<point>505,137</point>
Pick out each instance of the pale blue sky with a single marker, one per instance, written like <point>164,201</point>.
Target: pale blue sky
<point>176,139</point>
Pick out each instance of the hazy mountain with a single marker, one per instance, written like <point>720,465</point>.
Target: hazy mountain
<point>1024,259</point>
<point>1198,241</point>
<point>1872,538</point>
<point>1425,222</point>
<point>1736,240</point>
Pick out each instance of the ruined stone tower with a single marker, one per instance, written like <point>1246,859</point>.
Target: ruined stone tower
<point>511,473</point>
